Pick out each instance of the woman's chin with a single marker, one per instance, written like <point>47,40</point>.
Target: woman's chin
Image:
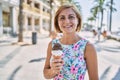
<point>69,32</point>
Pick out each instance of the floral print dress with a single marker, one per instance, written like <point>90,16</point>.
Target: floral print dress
<point>74,67</point>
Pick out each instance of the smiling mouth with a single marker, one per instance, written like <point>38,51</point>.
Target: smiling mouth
<point>67,26</point>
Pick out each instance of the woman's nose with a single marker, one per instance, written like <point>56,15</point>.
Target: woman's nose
<point>67,20</point>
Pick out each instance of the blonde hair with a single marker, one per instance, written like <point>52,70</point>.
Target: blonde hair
<point>63,7</point>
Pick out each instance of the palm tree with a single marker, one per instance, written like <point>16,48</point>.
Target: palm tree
<point>91,24</point>
<point>51,8</point>
<point>94,12</point>
<point>62,1</point>
<point>72,2</point>
<point>100,6</point>
<point>112,9</point>
<point>20,35</point>
<point>76,4</point>
<point>91,19</point>
<point>51,2</point>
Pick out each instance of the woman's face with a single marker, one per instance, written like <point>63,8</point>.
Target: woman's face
<point>67,21</point>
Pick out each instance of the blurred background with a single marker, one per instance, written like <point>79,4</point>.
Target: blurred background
<point>26,27</point>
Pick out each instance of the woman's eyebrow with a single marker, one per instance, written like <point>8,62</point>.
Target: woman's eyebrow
<point>60,15</point>
<point>64,15</point>
<point>72,14</point>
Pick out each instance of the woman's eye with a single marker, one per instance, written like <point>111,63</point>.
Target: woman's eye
<point>62,18</point>
<point>71,17</point>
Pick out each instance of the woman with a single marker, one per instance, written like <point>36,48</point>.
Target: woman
<point>79,55</point>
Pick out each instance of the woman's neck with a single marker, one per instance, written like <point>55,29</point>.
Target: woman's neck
<point>70,38</point>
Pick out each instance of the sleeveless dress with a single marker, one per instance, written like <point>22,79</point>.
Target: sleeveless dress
<point>74,67</point>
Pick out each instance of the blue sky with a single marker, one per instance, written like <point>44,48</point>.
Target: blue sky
<point>86,5</point>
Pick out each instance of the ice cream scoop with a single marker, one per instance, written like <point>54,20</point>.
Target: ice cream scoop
<point>57,51</point>
<point>57,46</point>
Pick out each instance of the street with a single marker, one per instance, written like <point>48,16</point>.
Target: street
<point>25,62</point>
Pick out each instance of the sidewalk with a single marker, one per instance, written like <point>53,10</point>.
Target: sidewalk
<point>22,62</point>
<point>26,62</point>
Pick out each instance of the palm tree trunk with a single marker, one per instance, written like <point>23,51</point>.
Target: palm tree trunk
<point>101,20</point>
<point>51,8</point>
<point>51,1</point>
<point>100,28</point>
<point>110,16</point>
<point>20,35</point>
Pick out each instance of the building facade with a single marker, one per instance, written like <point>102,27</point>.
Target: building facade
<point>36,15</point>
<point>8,11</point>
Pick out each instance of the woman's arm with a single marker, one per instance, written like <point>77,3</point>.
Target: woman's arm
<point>91,60</point>
<point>48,72</point>
<point>51,69</point>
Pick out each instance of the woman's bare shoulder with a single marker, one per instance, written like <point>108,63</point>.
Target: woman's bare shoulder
<point>89,45</point>
<point>90,49</point>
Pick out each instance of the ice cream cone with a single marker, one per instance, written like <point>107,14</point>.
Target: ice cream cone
<point>57,51</point>
<point>57,54</point>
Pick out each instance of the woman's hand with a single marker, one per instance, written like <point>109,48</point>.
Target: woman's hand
<point>56,65</point>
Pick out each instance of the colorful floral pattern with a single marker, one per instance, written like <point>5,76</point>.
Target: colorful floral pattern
<point>74,67</point>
